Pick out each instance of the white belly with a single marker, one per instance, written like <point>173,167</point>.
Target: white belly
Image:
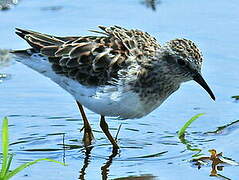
<point>107,101</point>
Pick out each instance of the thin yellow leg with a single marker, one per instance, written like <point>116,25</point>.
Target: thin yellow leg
<point>88,135</point>
<point>105,128</point>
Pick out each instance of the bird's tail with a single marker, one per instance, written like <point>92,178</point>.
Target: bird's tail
<point>23,53</point>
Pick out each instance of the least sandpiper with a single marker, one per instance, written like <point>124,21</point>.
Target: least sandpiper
<point>119,72</point>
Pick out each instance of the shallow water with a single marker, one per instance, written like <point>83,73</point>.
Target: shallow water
<point>45,122</point>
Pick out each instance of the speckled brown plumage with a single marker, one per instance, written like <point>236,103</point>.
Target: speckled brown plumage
<point>93,60</point>
<point>186,48</point>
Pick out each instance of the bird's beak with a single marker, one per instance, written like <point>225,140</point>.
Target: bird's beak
<point>199,79</point>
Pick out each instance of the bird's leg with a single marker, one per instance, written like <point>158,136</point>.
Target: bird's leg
<point>88,135</point>
<point>105,128</point>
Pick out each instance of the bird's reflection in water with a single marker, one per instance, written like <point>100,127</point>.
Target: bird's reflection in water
<point>86,162</point>
<point>104,168</point>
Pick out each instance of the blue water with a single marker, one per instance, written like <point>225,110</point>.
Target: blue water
<point>40,112</point>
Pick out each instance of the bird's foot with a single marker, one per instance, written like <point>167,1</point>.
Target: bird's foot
<point>88,136</point>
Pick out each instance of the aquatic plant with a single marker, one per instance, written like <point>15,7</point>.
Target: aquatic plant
<point>181,132</point>
<point>217,161</point>
<point>6,160</point>
<point>235,97</point>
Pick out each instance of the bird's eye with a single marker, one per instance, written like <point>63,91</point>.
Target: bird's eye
<point>181,62</point>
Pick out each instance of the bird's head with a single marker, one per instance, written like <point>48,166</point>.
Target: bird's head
<point>184,61</point>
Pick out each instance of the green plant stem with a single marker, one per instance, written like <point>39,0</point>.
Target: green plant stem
<point>181,132</point>
<point>4,147</point>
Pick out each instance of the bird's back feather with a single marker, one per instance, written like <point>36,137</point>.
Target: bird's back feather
<point>92,60</point>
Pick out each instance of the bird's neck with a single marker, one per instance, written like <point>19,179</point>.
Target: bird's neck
<point>154,85</point>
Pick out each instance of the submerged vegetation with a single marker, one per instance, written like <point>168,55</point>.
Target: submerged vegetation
<point>217,161</point>
<point>181,132</point>
<point>181,136</point>
<point>235,97</point>
<point>6,159</point>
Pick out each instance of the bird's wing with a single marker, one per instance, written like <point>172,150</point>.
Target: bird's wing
<point>91,60</point>
<point>135,41</point>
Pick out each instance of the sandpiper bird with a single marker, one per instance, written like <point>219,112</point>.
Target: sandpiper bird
<point>120,73</point>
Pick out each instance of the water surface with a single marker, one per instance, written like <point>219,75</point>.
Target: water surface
<point>45,122</point>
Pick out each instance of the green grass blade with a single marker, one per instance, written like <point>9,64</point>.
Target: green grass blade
<point>4,146</point>
<point>23,166</point>
<point>9,162</point>
<point>187,124</point>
